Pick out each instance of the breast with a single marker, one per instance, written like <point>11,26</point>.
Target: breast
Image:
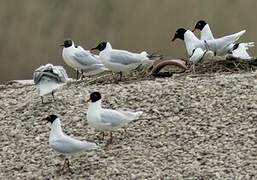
<point>67,59</point>
<point>94,121</point>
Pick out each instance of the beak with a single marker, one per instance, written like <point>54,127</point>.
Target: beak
<point>174,38</point>
<point>87,100</point>
<point>62,45</point>
<point>194,30</point>
<point>45,119</point>
<point>93,49</point>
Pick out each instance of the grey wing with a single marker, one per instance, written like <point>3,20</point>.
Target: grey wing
<point>61,72</point>
<point>85,58</point>
<point>227,40</point>
<point>125,58</point>
<point>71,145</point>
<point>47,70</point>
<point>112,117</point>
<point>66,146</point>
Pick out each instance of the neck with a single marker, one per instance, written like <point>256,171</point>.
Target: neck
<point>95,105</point>
<point>56,127</point>
<point>108,47</point>
<point>190,41</point>
<point>206,33</point>
<point>190,36</point>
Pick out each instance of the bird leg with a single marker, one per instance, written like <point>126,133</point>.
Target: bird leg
<point>66,164</point>
<point>42,99</point>
<point>125,131</point>
<point>53,95</point>
<point>110,141</point>
<point>102,135</point>
<point>77,75</point>
<point>120,75</point>
<point>82,75</point>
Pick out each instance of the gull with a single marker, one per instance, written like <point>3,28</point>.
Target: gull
<point>217,46</point>
<point>122,61</point>
<point>107,119</point>
<point>83,61</point>
<point>64,144</point>
<point>48,79</point>
<point>206,33</point>
<point>238,50</point>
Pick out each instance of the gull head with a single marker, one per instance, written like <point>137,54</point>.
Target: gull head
<point>95,96</point>
<point>67,43</point>
<point>100,46</point>
<point>199,25</point>
<point>51,118</point>
<point>179,34</point>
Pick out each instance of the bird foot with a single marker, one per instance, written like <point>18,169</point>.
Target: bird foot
<point>65,168</point>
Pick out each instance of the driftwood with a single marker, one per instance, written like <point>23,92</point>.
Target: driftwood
<point>216,65</point>
<point>174,65</point>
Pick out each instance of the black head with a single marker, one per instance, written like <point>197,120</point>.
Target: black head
<point>67,43</point>
<point>200,25</point>
<point>100,46</point>
<point>95,96</point>
<point>179,34</point>
<point>51,118</point>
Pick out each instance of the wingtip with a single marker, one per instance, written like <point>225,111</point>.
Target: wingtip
<point>139,113</point>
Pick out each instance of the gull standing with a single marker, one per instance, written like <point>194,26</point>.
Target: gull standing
<point>107,119</point>
<point>49,79</point>
<point>122,61</point>
<point>83,61</point>
<point>64,144</point>
<point>217,46</point>
<point>238,50</point>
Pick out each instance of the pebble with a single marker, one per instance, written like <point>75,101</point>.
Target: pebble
<point>192,128</point>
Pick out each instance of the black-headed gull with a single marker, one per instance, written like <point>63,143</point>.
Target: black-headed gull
<point>206,33</point>
<point>64,144</point>
<point>238,51</point>
<point>81,60</point>
<point>107,119</point>
<point>218,46</point>
<point>49,78</point>
<point>121,61</point>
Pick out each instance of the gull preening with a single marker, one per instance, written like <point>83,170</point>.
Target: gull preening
<point>122,61</point>
<point>236,51</point>
<point>48,79</point>
<point>107,119</point>
<point>83,61</point>
<point>64,144</point>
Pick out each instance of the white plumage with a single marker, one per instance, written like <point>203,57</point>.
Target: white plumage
<point>218,46</point>
<point>49,78</point>
<point>64,144</point>
<point>107,119</point>
<point>81,60</point>
<point>121,60</point>
<point>240,52</point>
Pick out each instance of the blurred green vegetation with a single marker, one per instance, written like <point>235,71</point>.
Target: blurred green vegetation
<point>30,30</point>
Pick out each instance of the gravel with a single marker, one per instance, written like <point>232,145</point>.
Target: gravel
<point>193,127</point>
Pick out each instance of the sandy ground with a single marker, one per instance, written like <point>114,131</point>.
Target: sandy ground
<point>193,127</point>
